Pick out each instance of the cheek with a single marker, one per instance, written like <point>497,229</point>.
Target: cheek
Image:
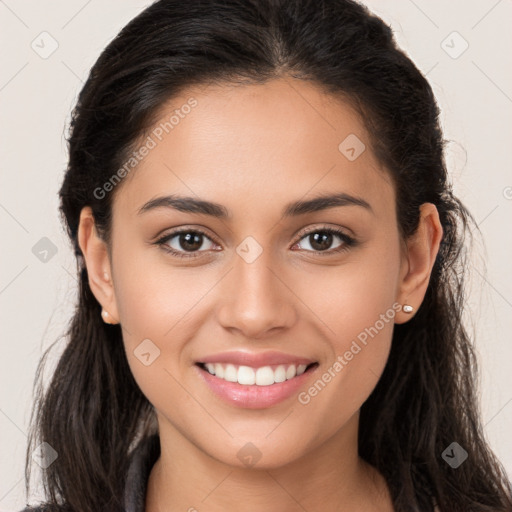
<point>157,307</point>
<point>159,311</point>
<point>159,304</point>
<point>153,296</point>
<point>353,296</point>
<point>356,304</point>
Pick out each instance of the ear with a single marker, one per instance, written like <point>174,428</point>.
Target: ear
<point>98,264</point>
<point>420,254</point>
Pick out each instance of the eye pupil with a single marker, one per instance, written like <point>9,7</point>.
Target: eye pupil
<point>190,241</point>
<point>321,240</point>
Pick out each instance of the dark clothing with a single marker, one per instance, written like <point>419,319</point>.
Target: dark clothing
<point>142,460</point>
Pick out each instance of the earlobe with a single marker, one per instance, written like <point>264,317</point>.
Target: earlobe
<point>421,252</point>
<point>97,261</point>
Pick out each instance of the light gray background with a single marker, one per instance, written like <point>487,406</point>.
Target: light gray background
<point>474,91</point>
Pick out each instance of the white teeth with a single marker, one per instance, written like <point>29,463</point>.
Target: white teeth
<point>247,376</point>
<point>231,373</point>
<point>301,369</point>
<point>264,376</point>
<point>219,370</point>
<point>280,374</point>
<point>291,372</point>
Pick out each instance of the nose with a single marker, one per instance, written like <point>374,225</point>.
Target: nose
<point>256,300</point>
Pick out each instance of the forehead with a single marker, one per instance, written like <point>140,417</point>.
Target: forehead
<point>259,144</point>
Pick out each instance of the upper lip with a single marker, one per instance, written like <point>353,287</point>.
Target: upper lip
<point>256,360</point>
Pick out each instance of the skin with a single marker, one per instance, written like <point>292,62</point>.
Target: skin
<point>254,149</point>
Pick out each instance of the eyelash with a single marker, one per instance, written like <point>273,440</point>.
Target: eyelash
<point>347,241</point>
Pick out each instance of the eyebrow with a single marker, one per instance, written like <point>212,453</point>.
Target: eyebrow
<point>293,209</point>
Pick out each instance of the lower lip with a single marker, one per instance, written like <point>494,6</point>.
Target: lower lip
<point>254,397</point>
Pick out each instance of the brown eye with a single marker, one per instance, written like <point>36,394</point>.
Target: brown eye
<point>322,240</point>
<point>190,241</point>
<point>179,243</point>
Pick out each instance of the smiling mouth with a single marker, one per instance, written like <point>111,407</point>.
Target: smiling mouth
<point>262,376</point>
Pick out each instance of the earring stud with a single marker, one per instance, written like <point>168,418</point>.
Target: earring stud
<point>106,315</point>
<point>407,308</point>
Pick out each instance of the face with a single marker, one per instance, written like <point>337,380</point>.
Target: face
<point>220,311</point>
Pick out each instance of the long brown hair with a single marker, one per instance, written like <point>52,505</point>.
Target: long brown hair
<point>93,413</point>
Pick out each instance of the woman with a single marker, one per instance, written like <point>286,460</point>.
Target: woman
<point>271,275</point>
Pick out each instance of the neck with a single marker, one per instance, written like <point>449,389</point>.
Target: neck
<point>330,477</point>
